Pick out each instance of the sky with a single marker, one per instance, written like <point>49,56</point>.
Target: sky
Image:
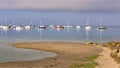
<point>62,5</point>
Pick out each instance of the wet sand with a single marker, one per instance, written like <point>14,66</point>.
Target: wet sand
<point>68,54</point>
<point>10,54</point>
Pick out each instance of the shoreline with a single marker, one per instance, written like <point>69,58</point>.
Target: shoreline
<point>22,45</point>
<point>68,54</point>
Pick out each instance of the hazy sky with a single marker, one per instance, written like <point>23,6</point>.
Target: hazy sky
<point>62,5</point>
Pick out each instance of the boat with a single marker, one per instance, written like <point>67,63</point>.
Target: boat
<point>42,27</point>
<point>1,26</point>
<point>5,28</point>
<point>101,27</point>
<point>12,26</point>
<point>28,27</point>
<point>58,26</point>
<point>78,27</point>
<point>18,28</point>
<point>51,26</point>
<point>87,27</point>
<point>68,26</point>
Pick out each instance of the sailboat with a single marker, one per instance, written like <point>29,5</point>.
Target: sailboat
<point>18,28</point>
<point>12,25</point>
<point>78,27</point>
<point>58,27</point>
<point>87,27</point>
<point>41,26</point>
<point>27,27</point>
<point>101,27</point>
<point>1,26</point>
<point>5,27</point>
<point>51,26</point>
<point>68,26</point>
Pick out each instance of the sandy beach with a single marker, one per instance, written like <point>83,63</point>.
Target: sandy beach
<point>68,54</point>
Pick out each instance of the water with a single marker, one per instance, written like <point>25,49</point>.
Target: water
<point>61,35</point>
<point>59,18</point>
<point>10,54</point>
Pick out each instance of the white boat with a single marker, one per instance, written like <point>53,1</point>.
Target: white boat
<point>68,26</point>
<point>78,27</point>
<point>28,27</point>
<point>51,26</point>
<point>5,27</point>
<point>1,26</point>
<point>87,27</point>
<point>18,28</point>
<point>12,26</point>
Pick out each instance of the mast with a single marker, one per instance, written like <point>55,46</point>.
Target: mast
<point>5,21</point>
<point>101,23</point>
<point>1,21</point>
<point>40,22</point>
<point>30,22</point>
<point>87,22</point>
<point>67,22</point>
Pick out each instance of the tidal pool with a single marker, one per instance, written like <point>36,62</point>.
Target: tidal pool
<point>10,54</point>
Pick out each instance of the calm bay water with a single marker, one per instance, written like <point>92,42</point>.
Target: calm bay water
<point>59,18</point>
<point>61,35</point>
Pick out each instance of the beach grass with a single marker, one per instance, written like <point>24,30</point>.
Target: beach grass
<point>90,62</point>
<point>92,58</point>
<point>87,65</point>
